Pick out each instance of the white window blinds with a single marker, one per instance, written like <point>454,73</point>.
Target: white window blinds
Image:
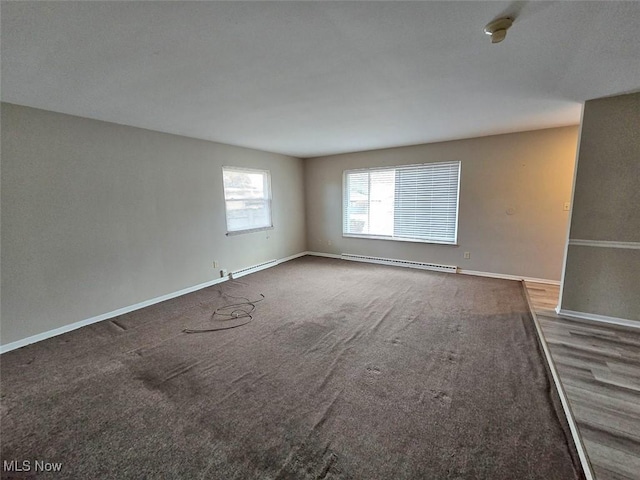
<point>247,195</point>
<point>415,202</point>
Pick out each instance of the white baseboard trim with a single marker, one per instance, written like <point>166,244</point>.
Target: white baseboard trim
<point>105,316</point>
<point>505,276</point>
<point>575,433</point>
<point>598,318</point>
<point>327,255</point>
<point>121,311</point>
<point>462,271</point>
<point>291,257</point>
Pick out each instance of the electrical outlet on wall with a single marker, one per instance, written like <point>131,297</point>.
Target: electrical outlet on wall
<point>215,264</point>
<point>566,206</point>
<point>467,255</point>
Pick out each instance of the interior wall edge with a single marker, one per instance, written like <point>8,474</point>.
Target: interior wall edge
<point>602,260</point>
<point>567,236</point>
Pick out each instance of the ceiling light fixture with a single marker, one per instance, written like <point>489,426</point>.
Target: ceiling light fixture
<point>497,29</point>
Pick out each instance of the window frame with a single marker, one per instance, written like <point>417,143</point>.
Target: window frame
<point>453,243</point>
<point>268,199</point>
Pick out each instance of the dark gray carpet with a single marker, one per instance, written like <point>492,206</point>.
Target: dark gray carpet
<point>348,371</point>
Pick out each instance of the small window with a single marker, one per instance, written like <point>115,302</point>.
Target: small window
<point>416,203</point>
<point>247,198</point>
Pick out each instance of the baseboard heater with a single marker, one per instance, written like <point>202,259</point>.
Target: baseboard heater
<point>255,268</point>
<point>401,263</point>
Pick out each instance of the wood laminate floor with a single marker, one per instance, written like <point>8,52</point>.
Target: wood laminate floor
<point>599,367</point>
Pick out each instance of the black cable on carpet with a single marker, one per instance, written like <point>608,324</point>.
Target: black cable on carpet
<point>233,311</point>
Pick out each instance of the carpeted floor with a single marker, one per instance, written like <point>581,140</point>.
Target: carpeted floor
<point>348,371</point>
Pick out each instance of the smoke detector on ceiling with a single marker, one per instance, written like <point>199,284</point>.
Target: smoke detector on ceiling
<point>497,29</point>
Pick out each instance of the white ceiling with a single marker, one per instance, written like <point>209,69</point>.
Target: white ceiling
<point>316,78</point>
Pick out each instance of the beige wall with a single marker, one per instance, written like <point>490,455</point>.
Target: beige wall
<point>531,172</point>
<point>98,216</point>
<point>600,279</point>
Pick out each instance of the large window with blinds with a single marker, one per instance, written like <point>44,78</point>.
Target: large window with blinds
<point>247,197</point>
<point>417,203</point>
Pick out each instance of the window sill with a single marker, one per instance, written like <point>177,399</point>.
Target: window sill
<point>250,230</point>
<point>397,239</point>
